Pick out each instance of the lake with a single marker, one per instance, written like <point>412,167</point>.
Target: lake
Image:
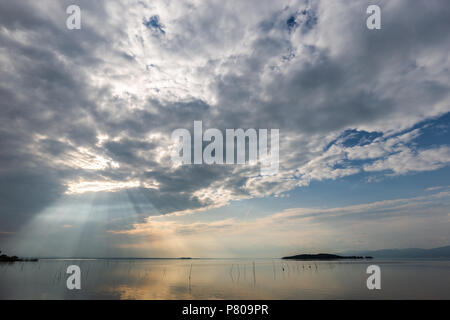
<point>224,279</point>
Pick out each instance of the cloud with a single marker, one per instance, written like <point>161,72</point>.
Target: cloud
<point>93,109</point>
<point>337,228</point>
<point>407,160</point>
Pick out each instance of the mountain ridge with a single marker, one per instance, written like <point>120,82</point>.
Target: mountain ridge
<point>439,252</point>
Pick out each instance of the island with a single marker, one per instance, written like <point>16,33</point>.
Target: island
<point>5,258</point>
<point>325,256</point>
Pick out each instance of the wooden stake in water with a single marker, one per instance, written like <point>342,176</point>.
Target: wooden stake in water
<point>190,273</point>
<point>254,274</point>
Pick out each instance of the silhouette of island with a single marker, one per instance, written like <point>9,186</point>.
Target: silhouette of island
<point>5,258</point>
<point>324,256</point>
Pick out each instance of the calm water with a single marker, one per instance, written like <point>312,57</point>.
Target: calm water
<point>224,279</point>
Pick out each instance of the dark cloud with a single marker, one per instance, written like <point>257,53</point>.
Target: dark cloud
<point>24,194</point>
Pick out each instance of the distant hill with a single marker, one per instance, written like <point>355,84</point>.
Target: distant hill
<point>441,252</point>
<point>323,256</point>
<point>5,258</point>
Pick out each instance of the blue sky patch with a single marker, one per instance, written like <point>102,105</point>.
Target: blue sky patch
<point>154,23</point>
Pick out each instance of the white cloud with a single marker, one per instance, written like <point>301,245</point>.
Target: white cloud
<point>408,160</point>
<point>74,187</point>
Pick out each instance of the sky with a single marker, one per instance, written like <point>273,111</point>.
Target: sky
<point>87,115</point>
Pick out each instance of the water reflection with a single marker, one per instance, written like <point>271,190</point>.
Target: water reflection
<point>224,279</point>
